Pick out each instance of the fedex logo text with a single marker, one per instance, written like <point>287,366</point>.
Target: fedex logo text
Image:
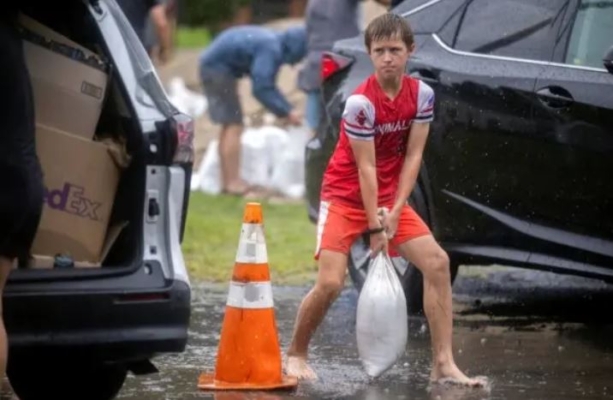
<point>70,199</point>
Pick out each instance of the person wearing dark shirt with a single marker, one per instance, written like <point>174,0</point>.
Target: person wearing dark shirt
<point>258,53</point>
<point>326,22</point>
<point>138,12</point>
<point>21,182</point>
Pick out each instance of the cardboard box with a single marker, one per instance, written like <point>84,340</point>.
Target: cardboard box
<point>80,180</point>
<point>35,26</point>
<point>47,262</point>
<point>69,91</point>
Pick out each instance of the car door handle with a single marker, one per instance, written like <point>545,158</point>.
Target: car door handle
<point>424,75</point>
<point>555,97</point>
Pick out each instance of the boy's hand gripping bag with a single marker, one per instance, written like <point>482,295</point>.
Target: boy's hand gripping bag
<point>382,323</point>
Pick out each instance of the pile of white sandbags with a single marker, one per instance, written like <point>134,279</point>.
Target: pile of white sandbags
<point>188,102</point>
<point>272,158</point>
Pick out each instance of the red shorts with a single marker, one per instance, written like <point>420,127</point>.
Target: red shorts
<point>339,226</point>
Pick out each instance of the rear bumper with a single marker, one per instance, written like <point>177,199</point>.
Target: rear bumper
<point>114,324</point>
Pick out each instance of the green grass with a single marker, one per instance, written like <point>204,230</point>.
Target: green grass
<point>192,38</point>
<point>212,233</point>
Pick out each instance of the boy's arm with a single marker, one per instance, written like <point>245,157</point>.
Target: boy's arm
<point>364,153</point>
<point>418,137</point>
<point>412,163</point>
<point>264,71</point>
<point>358,124</point>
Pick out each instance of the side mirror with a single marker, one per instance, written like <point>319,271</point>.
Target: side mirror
<point>608,60</point>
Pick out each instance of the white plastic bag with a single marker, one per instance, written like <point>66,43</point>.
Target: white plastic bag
<point>186,101</point>
<point>260,147</point>
<point>288,169</point>
<point>382,324</point>
<point>255,161</point>
<point>206,178</point>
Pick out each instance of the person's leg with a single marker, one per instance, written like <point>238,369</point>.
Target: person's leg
<point>6,265</point>
<point>415,243</point>
<point>313,110</point>
<point>21,205</point>
<point>225,109</point>
<point>230,159</point>
<point>21,198</point>
<point>313,309</point>
<point>20,214</point>
<point>337,229</point>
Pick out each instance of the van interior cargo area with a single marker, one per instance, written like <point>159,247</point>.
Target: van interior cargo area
<point>121,127</point>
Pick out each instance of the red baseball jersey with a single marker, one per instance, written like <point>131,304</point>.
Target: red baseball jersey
<point>370,115</point>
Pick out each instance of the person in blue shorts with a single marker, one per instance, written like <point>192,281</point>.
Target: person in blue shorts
<point>257,52</point>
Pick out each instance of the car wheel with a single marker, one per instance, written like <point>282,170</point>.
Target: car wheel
<point>34,378</point>
<point>410,276</point>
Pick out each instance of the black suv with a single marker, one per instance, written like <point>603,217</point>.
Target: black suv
<point>75,333</point>
<point>514,171</point>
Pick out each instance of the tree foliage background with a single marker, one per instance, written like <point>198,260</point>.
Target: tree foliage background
<point>211,13</point>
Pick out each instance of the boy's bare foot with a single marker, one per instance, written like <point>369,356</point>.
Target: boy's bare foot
<point>298,367</point>
<point>450,374</point>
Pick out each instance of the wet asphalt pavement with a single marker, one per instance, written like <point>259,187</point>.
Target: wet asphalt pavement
<point>536,335</point>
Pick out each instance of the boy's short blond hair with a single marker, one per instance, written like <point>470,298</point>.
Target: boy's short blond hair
<point>389,26</point>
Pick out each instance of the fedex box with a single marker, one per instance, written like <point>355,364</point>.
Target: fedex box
<point>69,82</point>
<point>80,179</point>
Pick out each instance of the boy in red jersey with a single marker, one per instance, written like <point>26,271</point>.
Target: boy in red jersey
<point>383,133</point>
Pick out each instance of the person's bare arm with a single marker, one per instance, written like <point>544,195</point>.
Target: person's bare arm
<point>418,136</point>
<point>162,28</point>
<point>412,162</point>
<point>358,124</point>
<point>364,153</point>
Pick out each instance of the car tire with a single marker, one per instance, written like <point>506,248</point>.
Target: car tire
<point>410,277</point>
<point>34,378</point>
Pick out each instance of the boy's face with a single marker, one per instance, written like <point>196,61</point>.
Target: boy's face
<point>389,57</point>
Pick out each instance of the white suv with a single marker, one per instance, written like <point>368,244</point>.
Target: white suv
<point>75,333</point>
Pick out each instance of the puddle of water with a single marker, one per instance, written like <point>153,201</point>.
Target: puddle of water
<point>523,361</point>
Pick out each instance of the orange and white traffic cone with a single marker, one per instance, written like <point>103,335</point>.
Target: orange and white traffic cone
<point>249,354</point>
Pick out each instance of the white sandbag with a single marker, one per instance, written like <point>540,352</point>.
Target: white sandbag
<point>288,170</point>
<point>207,177</point>
<point>254,160</point>
<point>260,147</point>
<point>261,150</point>
<point>188,102</point>
<point>277,142</point>
<point>382,323</point>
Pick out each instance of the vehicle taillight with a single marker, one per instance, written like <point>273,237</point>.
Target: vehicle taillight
<point>184,145</point>
<point>331,63</point>
<point>328,66</point>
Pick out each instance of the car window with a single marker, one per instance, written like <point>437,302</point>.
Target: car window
<point>448,33</point>
<point>513,28</point>
<point>592,33</point>
<point>409,5</point>
<point>432,17</point>
<point>147,91</point>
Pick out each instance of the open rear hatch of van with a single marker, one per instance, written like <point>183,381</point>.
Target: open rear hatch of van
<point>92,149</point>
